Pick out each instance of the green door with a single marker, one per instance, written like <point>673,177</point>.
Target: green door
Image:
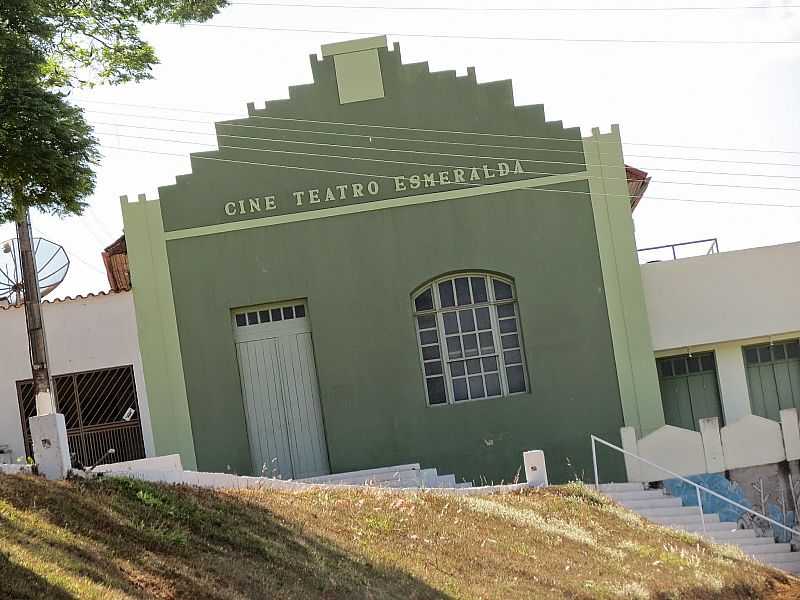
<point>689,390</point>
<point>773,377</point>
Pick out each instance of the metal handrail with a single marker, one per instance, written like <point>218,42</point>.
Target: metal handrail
<point>713,248</point>
<point>696,486</point>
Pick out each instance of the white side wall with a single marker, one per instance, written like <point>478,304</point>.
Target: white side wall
<point>721,303</point>
<point>83,334</point>
<point>723,297</point>
<point>750,442</point>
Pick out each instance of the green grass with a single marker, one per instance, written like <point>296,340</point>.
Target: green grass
<point>119,538</point>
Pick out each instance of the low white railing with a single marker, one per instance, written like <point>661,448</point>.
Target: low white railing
<point>698,488</point>
<point>695,248</point>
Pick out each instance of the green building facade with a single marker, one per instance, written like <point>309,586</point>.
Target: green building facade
<point>393,266</point>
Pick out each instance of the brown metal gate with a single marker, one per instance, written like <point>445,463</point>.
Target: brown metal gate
<point>95,405</point>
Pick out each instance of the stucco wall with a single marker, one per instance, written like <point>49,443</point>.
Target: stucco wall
<point>720,303</point>
<point>358,272</point>
<point>83,334</point>
<point>723,297</point>
<point>279,213</point>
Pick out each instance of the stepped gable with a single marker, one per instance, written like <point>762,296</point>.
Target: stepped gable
<point>425,122</point>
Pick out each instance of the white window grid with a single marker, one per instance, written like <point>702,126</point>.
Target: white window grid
<point>266,313</point>
<point>506,339</point>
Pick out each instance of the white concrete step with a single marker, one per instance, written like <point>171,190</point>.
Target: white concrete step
<point>788,562</point>
<point>407,483</point>
<point>636,495</point>
<point>695,525</point>
<point>447,481</point>
<point>429,477</point>
<point>662,502</point>
<point>749,541</point>
<point>762,549</point>
<point>686,519</point>
<point>407,477</point>
<point>379,474</point>
<point>732,536</point>
<point>671,511</point>
<point>377,479</point>
<point>610,488</point>
<point>710,528</point>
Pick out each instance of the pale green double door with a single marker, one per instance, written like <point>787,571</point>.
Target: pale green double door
<point>280,392</point>
<point>773,377</point>
<point>689,389</point>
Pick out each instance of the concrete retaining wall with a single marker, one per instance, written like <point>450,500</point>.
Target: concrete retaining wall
<point>749,442</point>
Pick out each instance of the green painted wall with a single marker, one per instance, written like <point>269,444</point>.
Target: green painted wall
<point>358,270</point>
<point>301,138</point>
<point>622,279</point>
<point>156,327</point>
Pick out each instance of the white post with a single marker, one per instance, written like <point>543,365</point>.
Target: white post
<point>632,466</point>
<point>791,433</point>
<point>535,468</point>
<point>712,445</point>
<point>700,506</point>
<point>50,446</point>
<point>594,464</point>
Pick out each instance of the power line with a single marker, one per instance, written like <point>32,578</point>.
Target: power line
<point>91,232</point>
<point>390,138</point>
<point>507,38</point>
<point>519,9</point>
<point>403,151</point>
<point>98,221</point>
<point>373,175</point>
<point>400,162</point>
<point>715,160</point>
<point>350,135</point>
<point>419,129</point>
<point>645,156</point>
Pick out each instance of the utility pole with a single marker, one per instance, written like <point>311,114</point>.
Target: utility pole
<point>32,298</point>
<point>48,429</point>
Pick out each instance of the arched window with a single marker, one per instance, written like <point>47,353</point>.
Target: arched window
<point>469,337</point>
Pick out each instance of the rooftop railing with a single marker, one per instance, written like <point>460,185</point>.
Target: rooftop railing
<point>679,250</point>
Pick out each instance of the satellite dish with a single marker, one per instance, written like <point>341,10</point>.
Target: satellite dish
<point>52,265</point>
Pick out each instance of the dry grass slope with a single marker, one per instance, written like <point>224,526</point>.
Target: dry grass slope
<point>123,539</point>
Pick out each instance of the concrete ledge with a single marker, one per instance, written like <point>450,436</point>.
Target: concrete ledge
<point>223,481</point>
<point>170,462</point>
<point>16,469</point>
<point>379,474</point>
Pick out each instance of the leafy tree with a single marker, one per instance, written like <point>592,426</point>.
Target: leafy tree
<point>99,40</point>
<point>46,147</point>
<point>47,150</point>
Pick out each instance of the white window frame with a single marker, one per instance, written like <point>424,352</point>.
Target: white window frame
<point>293,304</point>
<point>438,312</point>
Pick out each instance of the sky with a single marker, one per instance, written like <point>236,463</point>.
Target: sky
<point>693,115</point>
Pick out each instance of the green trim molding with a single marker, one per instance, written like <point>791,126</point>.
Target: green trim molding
<point>378,205</point>
<point>622,279</point>
<point>157,329</point>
